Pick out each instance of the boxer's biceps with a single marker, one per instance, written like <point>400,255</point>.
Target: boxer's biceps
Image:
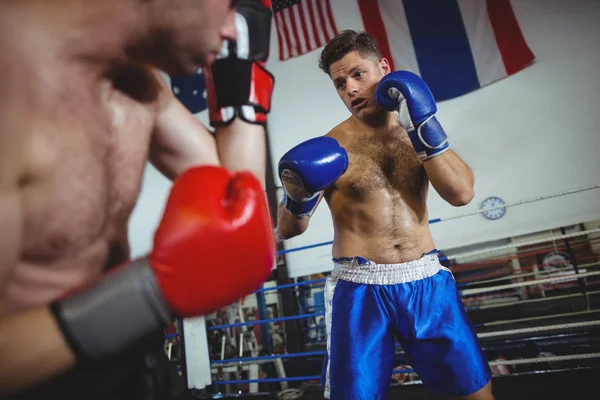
<point>179,141</point>
<point>11,231</point>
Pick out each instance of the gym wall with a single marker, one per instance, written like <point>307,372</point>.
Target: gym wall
<point>531,134</point>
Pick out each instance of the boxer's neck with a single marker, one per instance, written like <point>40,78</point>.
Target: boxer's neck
<point>382,120</point>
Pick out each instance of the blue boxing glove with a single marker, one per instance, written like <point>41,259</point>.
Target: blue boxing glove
<point>408,94</point>
<point>309,168</point>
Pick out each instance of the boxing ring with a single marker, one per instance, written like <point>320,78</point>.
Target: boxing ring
<point>535,305</point>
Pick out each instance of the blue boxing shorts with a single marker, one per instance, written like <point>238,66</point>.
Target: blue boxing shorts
<point>367,305</point>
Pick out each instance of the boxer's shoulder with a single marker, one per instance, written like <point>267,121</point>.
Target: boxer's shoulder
<point>343,133</point>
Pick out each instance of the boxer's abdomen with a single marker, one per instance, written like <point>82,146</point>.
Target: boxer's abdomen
<point>379,205</point>
<point>381,230</point>
<point>37,283</point>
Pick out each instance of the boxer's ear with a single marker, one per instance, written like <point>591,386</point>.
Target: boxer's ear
<point>384,65</point>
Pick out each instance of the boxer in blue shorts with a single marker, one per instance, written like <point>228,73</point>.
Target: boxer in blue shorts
<point>374,170</point>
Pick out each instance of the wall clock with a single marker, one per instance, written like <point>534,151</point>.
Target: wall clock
<point>491,202</point>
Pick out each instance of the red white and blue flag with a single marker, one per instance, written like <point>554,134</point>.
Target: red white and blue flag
<point>456,46</point>
<point>302,26</point>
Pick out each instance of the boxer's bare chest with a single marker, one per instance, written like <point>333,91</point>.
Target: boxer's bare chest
<point>85,158</point>
<point>87,155</point>
<point>382,162</point>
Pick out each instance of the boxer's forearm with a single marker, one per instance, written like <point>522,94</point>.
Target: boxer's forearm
<point>451,177</point>
<point>32,349</point>
<point>242,146</point>
<point>289,225</point>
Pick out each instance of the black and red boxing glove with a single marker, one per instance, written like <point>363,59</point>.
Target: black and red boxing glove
<point>237,83</point>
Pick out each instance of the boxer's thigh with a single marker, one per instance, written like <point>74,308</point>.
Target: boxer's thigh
<point>361,342</point>
<point>439,339</point>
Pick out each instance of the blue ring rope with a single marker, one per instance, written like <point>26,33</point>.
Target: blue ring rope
<point>289,285</point>
<point>311,246</point>
<point>264,321</point>
<point>270,357</point>
<point>292,378</point>
<point>269,380</point>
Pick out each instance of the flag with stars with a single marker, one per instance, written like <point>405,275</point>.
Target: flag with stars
<point>191,91</point>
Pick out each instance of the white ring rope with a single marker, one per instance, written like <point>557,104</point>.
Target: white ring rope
<point>527,253</point>
<point>522,275</point>
<point>524,244</point>
<point>514,321</point>
<point>492,334</point>
<point>539,329</point>
<point>516,303</point>
<point>521,202</point>
<point>564,278</point>
<point>584,356</point>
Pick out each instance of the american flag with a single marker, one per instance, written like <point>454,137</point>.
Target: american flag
<point>302,26</point>
<point>191,91</point>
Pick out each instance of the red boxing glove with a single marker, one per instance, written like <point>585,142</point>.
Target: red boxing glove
<point>215,243</point>
<point>237,83</point>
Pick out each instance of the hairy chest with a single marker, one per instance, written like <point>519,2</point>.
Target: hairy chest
<point>85,159</point>
<point>377,163</point>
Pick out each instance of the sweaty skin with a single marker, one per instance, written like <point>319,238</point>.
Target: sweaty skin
<point>379,206</point>
<point>81,112</point>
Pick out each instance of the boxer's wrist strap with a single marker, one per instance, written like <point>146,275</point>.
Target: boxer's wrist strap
<point>239,87</point>
<point>232,78</point>
<point>119,313</point>
<point>429,139</point>
<point>301,209</point>
<point>432,134</point>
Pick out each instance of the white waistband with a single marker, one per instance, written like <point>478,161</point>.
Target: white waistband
<point>387,274</point>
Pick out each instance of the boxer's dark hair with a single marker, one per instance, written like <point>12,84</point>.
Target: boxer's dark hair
<point>346,42</point>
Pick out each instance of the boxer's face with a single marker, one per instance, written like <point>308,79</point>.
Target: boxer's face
<point>196,30</point>
<point>355,79</point>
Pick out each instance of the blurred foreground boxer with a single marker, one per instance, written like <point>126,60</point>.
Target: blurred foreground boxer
<point>374,170</point>
<point>82,110</point>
